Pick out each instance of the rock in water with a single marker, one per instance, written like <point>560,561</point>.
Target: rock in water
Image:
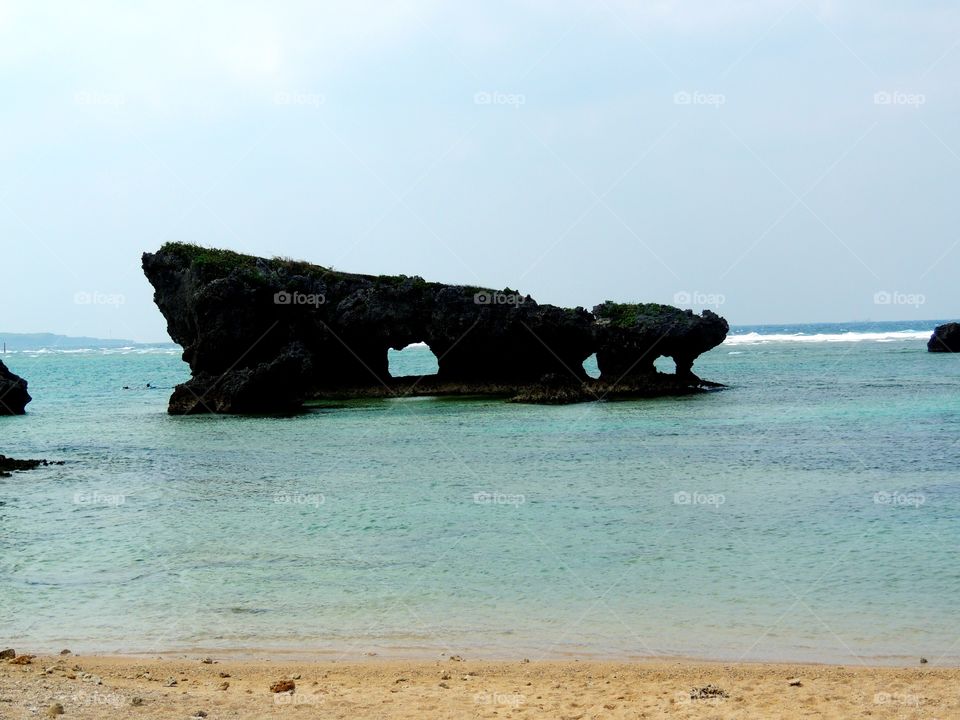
<point>946,338</point>
<point>7,465</point>
<point>261,336</point>
<point>13,392</point>
<point>631,337</point>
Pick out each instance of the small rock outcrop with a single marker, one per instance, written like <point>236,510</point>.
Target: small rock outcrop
<point>8,465</point>
<point>945,338</point>
<point>13,393</point>
<point>263,336</point>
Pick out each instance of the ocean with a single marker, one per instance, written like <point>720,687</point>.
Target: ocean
<point>808,512</point>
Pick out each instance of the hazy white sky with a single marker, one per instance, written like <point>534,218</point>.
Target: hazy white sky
<point>785,160</point>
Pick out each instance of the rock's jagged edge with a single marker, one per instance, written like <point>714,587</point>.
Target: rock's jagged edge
<point>945,339</point>
<point>263,336</point>
<point>13,393</point>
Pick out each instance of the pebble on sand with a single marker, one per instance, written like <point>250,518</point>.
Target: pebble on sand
<point>54,710</point>
<point>283,686</point>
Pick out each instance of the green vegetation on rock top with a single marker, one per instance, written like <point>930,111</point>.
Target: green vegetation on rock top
<point>227,260</point>
<point>627,315</point>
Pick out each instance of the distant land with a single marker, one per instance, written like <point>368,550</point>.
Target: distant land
<point>36,341</point>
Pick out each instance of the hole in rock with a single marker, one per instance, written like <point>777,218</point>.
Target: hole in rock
<point>590,366</point>
<point>665,364</point>
<point>414,360</point>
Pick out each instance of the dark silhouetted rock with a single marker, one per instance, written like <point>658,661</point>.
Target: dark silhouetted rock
<point>631,337</point>
<point>13,392</point>
<point>262,336</point>
<point>8,465</point>
<point>946,338</point>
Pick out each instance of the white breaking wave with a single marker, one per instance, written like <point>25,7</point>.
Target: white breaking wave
<point>897,336</point>
<point>98,351</point>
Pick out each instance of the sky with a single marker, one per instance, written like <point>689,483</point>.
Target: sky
<point>777,161</point>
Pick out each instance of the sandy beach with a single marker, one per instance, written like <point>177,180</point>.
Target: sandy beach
<point>211,687</point>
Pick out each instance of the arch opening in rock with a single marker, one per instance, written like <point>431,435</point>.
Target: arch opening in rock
<point>591,368</point>
<point>665,364</point>
<point>415,360</point>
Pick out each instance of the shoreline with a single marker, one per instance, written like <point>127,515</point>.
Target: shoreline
<point>218,686</point>
<point>429,655</point>
<point>371,652</point>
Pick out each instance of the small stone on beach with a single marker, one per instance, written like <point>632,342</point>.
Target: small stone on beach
<point>794,682</point>
<point>8,654</point>
<point>283,686</point>
<point>54,710</point>
<point>137,701</point>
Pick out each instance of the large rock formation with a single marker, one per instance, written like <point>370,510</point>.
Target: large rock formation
<point>945,338</point>
<point>13,393</point>
<point>264,335</point>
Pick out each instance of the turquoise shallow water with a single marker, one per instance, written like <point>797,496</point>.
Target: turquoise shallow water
<point>809,512</point>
